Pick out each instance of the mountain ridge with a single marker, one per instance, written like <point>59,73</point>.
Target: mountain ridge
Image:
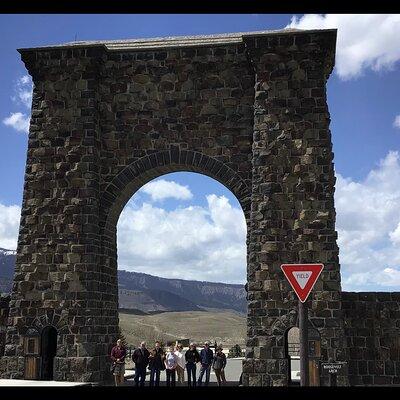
<point>150,293</point>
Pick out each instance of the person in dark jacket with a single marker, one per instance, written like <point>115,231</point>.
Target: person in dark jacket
<point>192,357</point>
<point>206,359</point>
<point>156,364</point>
<point>141,359</point>
<point>219,364</point>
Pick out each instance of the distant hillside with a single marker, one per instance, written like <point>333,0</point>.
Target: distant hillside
<point>149,294</point>
<point>7,263</point>
<point>151,300</point>
<point>203,294</point>
<point>225,327</point>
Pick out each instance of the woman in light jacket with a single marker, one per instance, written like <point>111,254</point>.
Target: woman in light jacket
<point>171,362</point>
<point>180,368</point>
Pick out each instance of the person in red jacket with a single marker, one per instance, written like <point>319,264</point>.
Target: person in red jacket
<point>118,354</point>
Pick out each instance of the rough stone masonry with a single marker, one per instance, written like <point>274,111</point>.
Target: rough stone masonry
<point>248,109</point>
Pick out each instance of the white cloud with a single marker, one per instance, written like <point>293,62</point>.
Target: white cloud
<point>23,90</point>
<point>395,235</point>
<point>365,41</point>
<point>396,122</point>
<point>190,243</point>
<point>18,121</point>
<point>9,225</point>
<point>162,189</point>
<point>23,96</point>
<point>368,220</point>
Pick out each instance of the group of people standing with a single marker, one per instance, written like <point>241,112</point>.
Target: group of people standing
<point>174,362</point>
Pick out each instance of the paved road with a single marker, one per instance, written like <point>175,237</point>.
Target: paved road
<point>233,370</point>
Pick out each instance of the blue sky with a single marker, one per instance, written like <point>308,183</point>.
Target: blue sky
<point>363,98</point>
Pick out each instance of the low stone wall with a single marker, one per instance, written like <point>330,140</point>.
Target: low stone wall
<point>4,310</point>
<point>372,329</point>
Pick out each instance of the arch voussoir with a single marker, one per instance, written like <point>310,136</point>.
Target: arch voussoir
<point>135,175</point>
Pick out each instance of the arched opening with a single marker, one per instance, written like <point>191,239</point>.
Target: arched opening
<point>181,242</point>
<point>293,355</point>
<point>48,346</point>
<point>128,181</point>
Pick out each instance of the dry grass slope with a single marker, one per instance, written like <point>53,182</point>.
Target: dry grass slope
<point>225,327</point>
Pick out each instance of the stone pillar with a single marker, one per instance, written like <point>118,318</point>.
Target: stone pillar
<point>4,310</point>
<point>58,279</point>
<point>293,214</point>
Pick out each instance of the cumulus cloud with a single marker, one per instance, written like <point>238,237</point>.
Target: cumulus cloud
<point>9,225</point>
<point>18,121</point>
<point>208,243</point>
<point>364,41</point>
<point>23,91</point>
<point>396,122</point>
<point>395,235</point>
<point>22,97</point>
<point>162,189</point>
<point>203,243</point>
<point>368,224</point>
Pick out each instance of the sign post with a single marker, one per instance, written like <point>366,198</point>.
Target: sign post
<point>303,328</point>
<point>302,278</point>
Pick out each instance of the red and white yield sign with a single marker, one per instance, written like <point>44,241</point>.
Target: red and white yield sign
<point>302,277</point>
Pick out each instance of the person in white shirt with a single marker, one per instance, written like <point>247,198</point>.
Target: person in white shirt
<point>180,368</point>
<point>171,361</point>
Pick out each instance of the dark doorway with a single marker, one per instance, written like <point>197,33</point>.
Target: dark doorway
<point>48,347</point>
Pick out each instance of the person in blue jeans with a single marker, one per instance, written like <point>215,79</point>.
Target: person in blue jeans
<point>141,359</point>
<point>192,357</point>
<point>206,360</point>
<point>156,364</point>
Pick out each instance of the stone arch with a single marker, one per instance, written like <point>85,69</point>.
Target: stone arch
<point>248,110</point>
<point>50,318</point>
<point>134,176</point>
<point>123,186</point>
<point>141,171</point>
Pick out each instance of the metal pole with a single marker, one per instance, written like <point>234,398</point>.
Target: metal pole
<point>303,327</point>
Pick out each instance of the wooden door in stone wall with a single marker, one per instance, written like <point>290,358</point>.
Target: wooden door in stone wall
<point>314,354</point>
<point>32,357</point>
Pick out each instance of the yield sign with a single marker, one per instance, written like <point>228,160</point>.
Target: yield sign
<point>302,277</point>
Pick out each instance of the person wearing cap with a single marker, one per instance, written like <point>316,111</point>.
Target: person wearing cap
<point>192,357</point>
<point>206,359</point>
<point>219,364</point>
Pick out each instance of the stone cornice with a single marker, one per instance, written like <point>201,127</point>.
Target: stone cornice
<point>173,42</point>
